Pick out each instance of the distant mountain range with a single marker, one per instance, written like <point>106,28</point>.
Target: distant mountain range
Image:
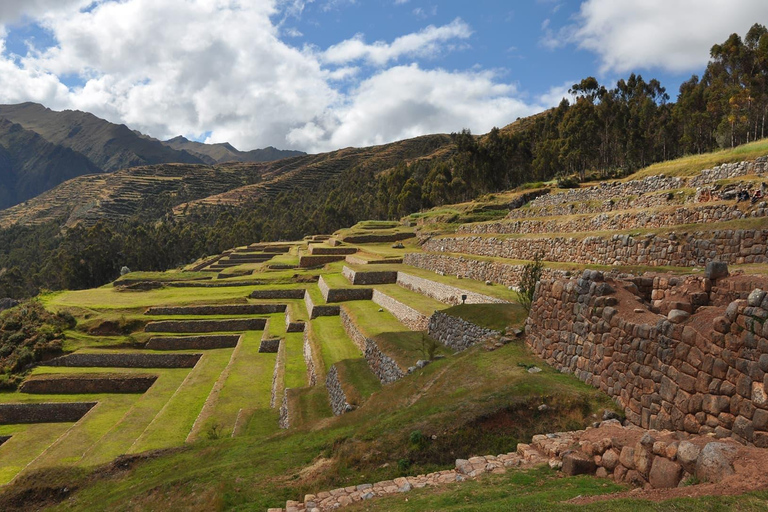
<point>41,148</point>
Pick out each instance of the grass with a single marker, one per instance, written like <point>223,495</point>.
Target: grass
<point>417,301</point>
<point>334,343</point>
<point>173,423</point>
<point>25,445</point>
<point>357,380</point>
<point>690,165</point>
<point>491,316</point>
<point>247,387</point>
<point>295,368</point>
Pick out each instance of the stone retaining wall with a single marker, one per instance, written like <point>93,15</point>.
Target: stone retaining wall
<point>269,345</point>
<point>507,274</point>
<point>284,420</point>
<point>680,250</point>
<point>190,326</point>
<point>125,360</point>
<point>700,376</point>
<point>316,250</point>
<point>618,221</point>
<point>343,294</point>
<point>291,325</point>
<point>76,384</point>
<point>309,359</point>
<point>439,291</point>
<point>297,293</point>
<point>336,395</point>
<point>372,239</point>
<point>222,309</point>
<point>369,277</point>
<point>383,366</point>
<point>319,310</point>
<point>407,316</point>
<point>59,412</point>
<point>309,260</point>
<point>457,333</point>
<point>208,342</point>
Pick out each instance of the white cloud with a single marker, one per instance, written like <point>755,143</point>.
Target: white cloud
<point>190,67</point>
<point>407,101</point>
<point>674,36</point>
<point>14,10</point>
<point>423,43</point>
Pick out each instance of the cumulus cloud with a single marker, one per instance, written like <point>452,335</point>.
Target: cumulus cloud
<point>674,36</point>
<point>423,43</point>
<point>13,10</point>
<point>220,68</point>
<point>407,101</point>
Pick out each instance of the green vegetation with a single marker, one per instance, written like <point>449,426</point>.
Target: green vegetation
<point>334,342</point>
<point>491,316</point>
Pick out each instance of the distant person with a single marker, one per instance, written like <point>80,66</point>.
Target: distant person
<point>757,196</point>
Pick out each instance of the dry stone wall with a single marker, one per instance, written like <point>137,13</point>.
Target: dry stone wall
<point>206,342</point>
<point>219,309</point>
<point>736,246</point>
<point>383,366</point>
<point>457,333</point>
<point>343,294</point>
<point>409,317</point>
<point>309,359</point>
<point>75,384</point>
<point>619,221</point>
<point>368,277</point>
<point>507,274</point>
<point>315,311</point>
<point>441,292</point>
<point>284,420</point>
<point>309,260</point>
<point>336,395</point>
<point>126,360</point>
<point>63,412</point>
<point>703,376</point>
<point>191,326</point>
<point>297,293</point>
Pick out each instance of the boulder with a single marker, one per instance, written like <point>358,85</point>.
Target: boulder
<point>627,457</point>
<point>715,462</point>
<point>577,463</point>
<point>756,298</point>
<point>665,474</point>
<point>687,455</point>
<point>716,269</point>
<point>610,460</point>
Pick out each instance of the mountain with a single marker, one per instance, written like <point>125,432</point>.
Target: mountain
<point>41,148</point>
<point>30,165</point>
<point>225,152</point>
<point>108,146</point>
<point>152,190</point>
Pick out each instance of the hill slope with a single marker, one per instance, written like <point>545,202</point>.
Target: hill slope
<point>153,189</point>
<point>30,165</point>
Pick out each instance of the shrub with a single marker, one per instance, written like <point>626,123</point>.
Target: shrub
<point>531,275</point>
<point>428,347</point>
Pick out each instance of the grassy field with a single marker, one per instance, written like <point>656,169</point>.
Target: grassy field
<point>334,343</point>
<point>690,165</point>
<point>491,316</point>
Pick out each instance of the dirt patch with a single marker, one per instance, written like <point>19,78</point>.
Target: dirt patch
<point>630,307</point>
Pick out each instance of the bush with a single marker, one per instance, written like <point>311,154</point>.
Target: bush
<point>428,347</point>
<point>530,277</point>
<point>565,181</point>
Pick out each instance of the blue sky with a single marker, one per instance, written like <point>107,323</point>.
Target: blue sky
<point>318,75</point>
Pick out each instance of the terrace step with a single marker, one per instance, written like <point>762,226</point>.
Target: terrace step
<point>343,294</point>
<point>218,309</point>
<point>87,384</point>
<point>192,326</point>
<point>125,360</point>
<point>48,412</point>
<point>205,342</point>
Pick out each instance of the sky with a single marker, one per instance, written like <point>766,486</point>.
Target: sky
<point>318,75</point>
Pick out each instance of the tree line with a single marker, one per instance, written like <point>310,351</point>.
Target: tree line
<point>598,131</point>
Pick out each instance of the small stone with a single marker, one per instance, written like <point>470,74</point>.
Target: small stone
<point>534,369</point>
<point>601,473</point>
<point>678,316</point>
<point>555,464</point>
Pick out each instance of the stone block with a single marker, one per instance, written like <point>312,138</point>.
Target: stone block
<point>578,463</point>
<point>715,462</point>
<point>664,474</point>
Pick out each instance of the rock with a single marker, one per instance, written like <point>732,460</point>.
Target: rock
<point>488,283</point>
<point>610,460</point>
<point>627,457</point>
<point>647,441</point>
<point>555,464</point>
<point>678,316</point>
<point>634,478</point>
<point>721,324</point>
<point>534,369</point>
<point>577,463</point>
<point>601,473</point>
<point>125,270</point>
<point>715,462</point>
<point>756,298</point>
<point>665,474</point>
<point>8,303</point>
<point>687,455</point>
<point>381,310</point>
<point>642,460</point>
<point>421,363</point>
<point>716,269</point>
<point>610,415</point>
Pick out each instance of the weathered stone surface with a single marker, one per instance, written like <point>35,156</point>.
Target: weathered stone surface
<point>687,455</point>
<point>715,462</point>
<point>716,269</point>
<point>664,474</point>
<point>577,463</point>
<point>610,460</point>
